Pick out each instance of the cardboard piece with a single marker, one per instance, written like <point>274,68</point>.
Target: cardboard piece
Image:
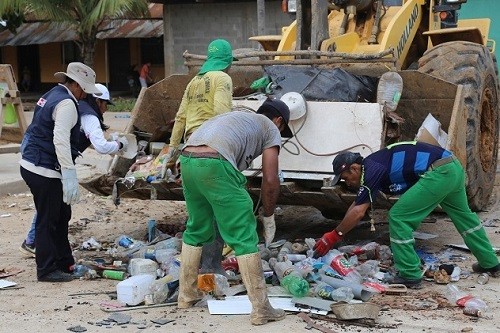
<point>9,271</point>
<point>431,132</point>
<point>241,305</point>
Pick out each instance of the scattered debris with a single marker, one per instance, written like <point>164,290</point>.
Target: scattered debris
<point>77,328</point>
<point>162,321</point>
<point>10,271</point>
<point>120,318</point>
<point>311,324</point>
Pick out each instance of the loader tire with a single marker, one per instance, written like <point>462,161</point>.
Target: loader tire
<point>473,66</point>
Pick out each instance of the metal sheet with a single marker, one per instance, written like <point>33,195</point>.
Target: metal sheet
<point>52,32</point>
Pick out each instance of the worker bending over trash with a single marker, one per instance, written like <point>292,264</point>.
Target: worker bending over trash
<point>426,176</point>
<point>214,189</point>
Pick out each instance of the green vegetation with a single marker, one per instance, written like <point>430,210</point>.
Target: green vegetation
<point>122,104</point>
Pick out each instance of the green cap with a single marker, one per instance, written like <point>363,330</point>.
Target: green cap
<point>219,56</point>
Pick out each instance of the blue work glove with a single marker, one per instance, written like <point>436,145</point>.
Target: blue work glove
<point>70,186</point>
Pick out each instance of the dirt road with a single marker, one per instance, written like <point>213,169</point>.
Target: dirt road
<point>49,307</point>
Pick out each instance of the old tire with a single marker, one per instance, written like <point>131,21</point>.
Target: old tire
<point>473,66</point>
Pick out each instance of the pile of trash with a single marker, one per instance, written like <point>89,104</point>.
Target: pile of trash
<point>352,274</point>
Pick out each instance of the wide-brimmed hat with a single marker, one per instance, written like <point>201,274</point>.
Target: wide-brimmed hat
<point>342,162</point>
<point>104,93</point>
<point>219,56</point>
<point>81,74</point>
<point>280,109</point>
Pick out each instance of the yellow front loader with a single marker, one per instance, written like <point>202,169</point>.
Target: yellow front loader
<point>446,64</point>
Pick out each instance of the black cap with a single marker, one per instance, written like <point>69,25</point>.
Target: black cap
<point>280,109</point>
<point>342,162</point>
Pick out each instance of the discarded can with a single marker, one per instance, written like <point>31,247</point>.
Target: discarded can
<point>483,278</point>
<point>114,275</point>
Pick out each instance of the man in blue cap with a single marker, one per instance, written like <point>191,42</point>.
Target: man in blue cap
<point>426,176</point>
<point>215,190</point>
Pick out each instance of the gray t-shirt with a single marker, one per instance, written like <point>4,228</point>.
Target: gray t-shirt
<point>238,136</point>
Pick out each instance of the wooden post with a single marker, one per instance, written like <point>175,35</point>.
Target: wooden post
<point>319,24</point>
<point>7,79</point>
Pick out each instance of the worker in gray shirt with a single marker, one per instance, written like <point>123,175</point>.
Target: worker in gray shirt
<point>214,189</point>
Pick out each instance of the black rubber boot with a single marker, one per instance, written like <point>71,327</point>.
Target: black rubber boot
<point>211,255</point>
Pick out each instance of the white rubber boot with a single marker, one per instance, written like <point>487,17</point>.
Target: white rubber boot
<point>251,272</point>
<point>188,276</point>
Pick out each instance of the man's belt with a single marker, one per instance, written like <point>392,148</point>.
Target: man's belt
<point>442,161</point>
<point>203,155</point>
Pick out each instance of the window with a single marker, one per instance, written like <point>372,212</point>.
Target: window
<point>152,50</point>
<point>70,52</point>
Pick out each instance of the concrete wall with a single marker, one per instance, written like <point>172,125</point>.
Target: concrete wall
<point>194,26</point>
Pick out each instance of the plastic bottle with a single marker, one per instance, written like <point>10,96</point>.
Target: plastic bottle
<point>144,252</point>
<point>483,278</point>
<point>342,294</point>
<point>128,242</point>
<point>114,275</point>
<point>165,255</point>
<point>169,243</point>
<point>323,290</point>
<point>339,263</point>
<point>281,268</point>
<point>295,284</point>
<point>472,305</point>
<point>80,270</point>
<point>158,291</point>
<point>285,250</point>
<point>389,89</point>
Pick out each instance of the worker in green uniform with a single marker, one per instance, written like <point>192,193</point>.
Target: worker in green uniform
<point>426,176</point>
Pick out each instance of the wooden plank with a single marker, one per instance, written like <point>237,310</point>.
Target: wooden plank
<point>7,77</point>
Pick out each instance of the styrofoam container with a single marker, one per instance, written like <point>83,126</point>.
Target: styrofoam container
<point>133,290</point>
<point>137,266</point>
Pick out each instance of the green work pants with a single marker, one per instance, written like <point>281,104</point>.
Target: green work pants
<point>215,191</point>
<point>445,186</point>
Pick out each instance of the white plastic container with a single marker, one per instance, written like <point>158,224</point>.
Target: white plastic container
<point>138,266</point>
<point>133,290</point>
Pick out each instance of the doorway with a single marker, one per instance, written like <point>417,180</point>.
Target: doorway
<point>28,60</point>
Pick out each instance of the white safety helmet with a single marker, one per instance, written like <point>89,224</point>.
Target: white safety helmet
<point>104,93</point>
<point>296,103</point>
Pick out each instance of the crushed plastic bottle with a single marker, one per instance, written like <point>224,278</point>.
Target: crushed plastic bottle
<point>472,305</point>
<point>170,243</point>
<point>128,242</point>
<point>214,283</point>
<point>285,251</point>
<point>158,291</point>
<point>389,89</point>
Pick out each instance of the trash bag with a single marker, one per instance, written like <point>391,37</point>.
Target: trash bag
<point>315,84</point>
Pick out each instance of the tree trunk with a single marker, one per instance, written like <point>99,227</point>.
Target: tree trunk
<point>88,44</point>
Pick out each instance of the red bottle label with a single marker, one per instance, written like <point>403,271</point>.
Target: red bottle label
<point>341,265</point>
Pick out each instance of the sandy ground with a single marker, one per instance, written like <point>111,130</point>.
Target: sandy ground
<point>49,307</point>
